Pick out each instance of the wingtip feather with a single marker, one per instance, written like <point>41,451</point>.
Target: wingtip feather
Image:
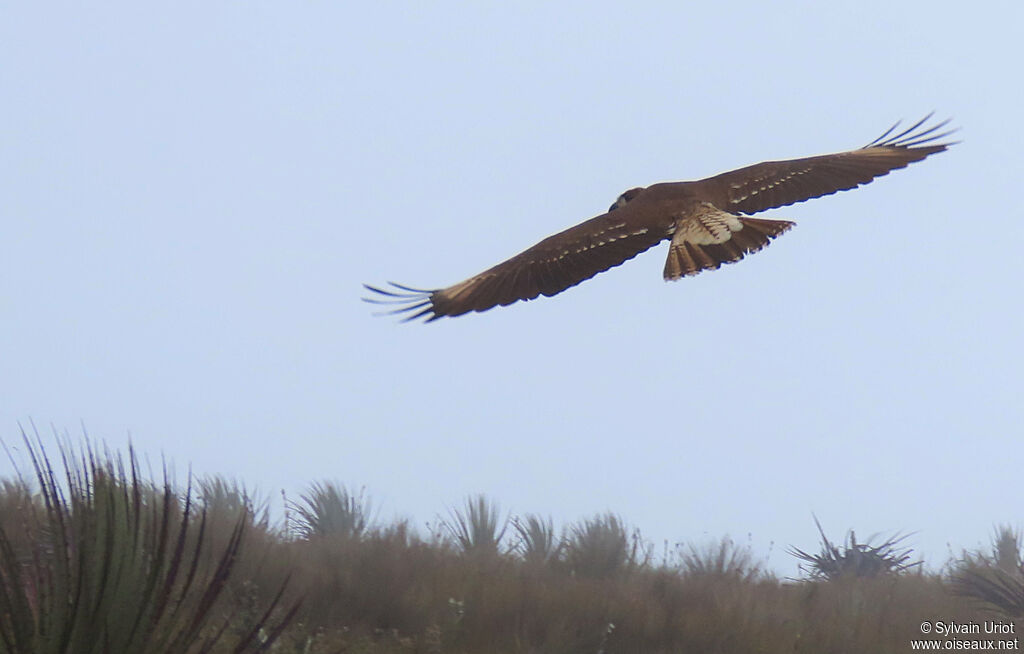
<point>410,299</point>
<point>914,137</point>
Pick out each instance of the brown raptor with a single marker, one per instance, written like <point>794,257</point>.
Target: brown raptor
<point>707,222</point>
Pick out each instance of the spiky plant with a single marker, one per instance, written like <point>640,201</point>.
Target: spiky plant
<point>1006,546</point>
<point>17,501</point>
<point>225,500</point>
<point>600,547</point>
<point>114,565</point>
<point>855,559</point>
<point>328,509</point>
<point>537,541</point>
<point>721,559</point>
<point>1001,590</point>
<point>478,528</point>
<point>15,496</point>
<point>997,578</point>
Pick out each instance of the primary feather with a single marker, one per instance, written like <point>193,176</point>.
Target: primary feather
<point>705,220</point>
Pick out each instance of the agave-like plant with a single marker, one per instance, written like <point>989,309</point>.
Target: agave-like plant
<point>996,579</point>
<point>104,562</point>
<point>478,528</point>
<point>1006,549</point>
<point>855,559</point>
<point>225,500</point>
<point>537,540</point>
<point>997,588</point>
<point>329,509</point>
<point>601,547</point>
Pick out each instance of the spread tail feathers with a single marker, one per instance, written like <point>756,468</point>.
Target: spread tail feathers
<point>686,257</point>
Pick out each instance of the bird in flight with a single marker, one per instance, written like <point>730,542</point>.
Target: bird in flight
<point>707,222</point>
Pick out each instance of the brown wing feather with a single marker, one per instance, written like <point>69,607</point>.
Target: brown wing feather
<point>577,254</point>
<point>774,184</point>
<point>549,267</point>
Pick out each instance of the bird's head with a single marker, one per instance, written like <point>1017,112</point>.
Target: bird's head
<point>624,199</point>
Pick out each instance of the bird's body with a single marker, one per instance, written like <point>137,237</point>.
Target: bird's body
<point>707,222</point>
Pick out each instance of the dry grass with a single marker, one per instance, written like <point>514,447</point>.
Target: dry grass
<point>383,588</point>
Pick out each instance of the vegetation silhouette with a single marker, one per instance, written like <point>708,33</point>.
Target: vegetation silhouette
<point>100,559</point>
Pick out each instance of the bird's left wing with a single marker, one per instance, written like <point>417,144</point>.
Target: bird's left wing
<point>774,184</point>
<point>549,267</point>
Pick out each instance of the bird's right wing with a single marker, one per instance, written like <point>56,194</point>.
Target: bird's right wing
<point>548,268</point>
<point>774,184</point>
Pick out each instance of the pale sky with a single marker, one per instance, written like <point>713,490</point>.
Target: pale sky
<point>192,195</point>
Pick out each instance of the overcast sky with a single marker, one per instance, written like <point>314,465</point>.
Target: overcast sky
<point>192,195</point>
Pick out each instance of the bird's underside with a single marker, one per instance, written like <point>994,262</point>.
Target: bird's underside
<point>707,222</point>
